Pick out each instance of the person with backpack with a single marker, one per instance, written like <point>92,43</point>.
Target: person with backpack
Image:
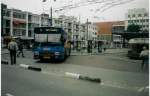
<point>13,47</point>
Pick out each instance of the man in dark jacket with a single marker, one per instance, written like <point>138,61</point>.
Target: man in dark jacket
<point>20,48</point>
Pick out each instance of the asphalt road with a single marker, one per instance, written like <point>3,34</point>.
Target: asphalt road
<point>20,82</point>
<point>120,77</point>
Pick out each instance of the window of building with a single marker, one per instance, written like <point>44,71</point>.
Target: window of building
<point>128,16</point>
<point>133,15</point>
<point>23,16</point>
<point>129,21</point>
<point>23,32</point>
<point>7,23</point>
<point>147,20</point>
<point>29,33</point>
<point>139,15</point>
<point>134,21</point>
<point>145,14</point>
<point>8,13</point>
<point>14,15</point>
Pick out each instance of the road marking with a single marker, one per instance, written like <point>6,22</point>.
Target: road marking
<point>105,83</point>
<point>8,94</point>
<point>143,89</point>
<point>120,85</point>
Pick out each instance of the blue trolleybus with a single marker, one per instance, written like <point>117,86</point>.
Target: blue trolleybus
<point>51,43</point>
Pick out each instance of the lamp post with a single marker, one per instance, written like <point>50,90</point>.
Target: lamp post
<point>51,16</point>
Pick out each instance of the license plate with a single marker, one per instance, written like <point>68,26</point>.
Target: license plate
<point>47,56</point>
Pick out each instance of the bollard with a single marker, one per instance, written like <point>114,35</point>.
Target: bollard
<point>98,80</point>
<point>81,77</point>
<point>72,75</point>
<point>4,62</point>
<point>34,68</point>
<point>30,67</point>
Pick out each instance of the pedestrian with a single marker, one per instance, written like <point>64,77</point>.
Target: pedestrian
<point>145,56</point>
<point>12,47</point>
<point>20,49</point>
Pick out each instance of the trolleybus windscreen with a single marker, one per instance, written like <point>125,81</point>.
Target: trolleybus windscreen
<point>41,37</point>
<point>47,37</point>
<point>54,37</point>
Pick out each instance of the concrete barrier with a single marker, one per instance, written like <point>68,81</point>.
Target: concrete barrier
<point>81,77</point>
<point>30,67</point>
<point>4,62</point>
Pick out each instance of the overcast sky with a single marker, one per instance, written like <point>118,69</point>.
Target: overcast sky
<point>94,10</point>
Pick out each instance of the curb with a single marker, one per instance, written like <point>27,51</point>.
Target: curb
<point>30,67</point>
<point>4,62</point>
<point>81,77</point>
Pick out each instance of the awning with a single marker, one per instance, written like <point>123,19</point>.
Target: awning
<point>18,21</point>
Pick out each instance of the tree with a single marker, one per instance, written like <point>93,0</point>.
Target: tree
<point>133,28</point>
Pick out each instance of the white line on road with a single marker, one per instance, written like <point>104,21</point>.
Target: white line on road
<point>143,89</point>
<point>8,94</point>
<point>125,86</point>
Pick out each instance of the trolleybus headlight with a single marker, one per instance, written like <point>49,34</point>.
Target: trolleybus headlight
<point>57,53</point>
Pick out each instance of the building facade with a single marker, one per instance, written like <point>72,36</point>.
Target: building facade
<point>138,16</point>
<point>69,24</point>
<point>108,32</point>
<point>5,20</point>
<point>18,23</point>
<point>78,32</point>
<point>104,31</point>
<point>92,31</point>
<point>117,28</point>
